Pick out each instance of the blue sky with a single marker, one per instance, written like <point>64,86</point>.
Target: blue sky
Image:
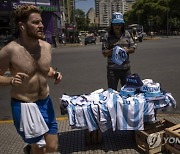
<point>85,5</point>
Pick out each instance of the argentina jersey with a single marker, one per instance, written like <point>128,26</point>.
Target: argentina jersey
<point>75,111</point>
<point>149,114</point>
<point>165,102</point>
<point>90,119</point>
<point>130,113</point>
<point>108,107</point>
<point>119,55</point>
<point>111,103</point>
<point>101,115</point>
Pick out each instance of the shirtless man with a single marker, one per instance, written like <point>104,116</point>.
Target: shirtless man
<point>29,60</point>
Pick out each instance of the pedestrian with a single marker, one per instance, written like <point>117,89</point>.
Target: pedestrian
<point>117,36</point>
<point>54,41</point>
<point>63,39</point>
<point>134,34</point>
<point>28,58</point>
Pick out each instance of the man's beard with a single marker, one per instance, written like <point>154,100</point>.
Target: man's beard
<point>37,35</point>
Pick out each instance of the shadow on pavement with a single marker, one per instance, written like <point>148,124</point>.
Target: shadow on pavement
<point>74,141</point>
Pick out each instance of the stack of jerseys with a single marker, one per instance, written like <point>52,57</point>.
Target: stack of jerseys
<point>105,109</point>
<point>155,97</point>
<point>152,93</point>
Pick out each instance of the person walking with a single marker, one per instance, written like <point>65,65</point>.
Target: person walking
<point>54,41</point>
<point>28,58</point>
<point>117,38</point>
<point>134,34</point>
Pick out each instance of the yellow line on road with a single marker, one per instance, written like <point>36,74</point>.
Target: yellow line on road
<point>11,121</point>
<point>61,118</point>
<point>6,121</point>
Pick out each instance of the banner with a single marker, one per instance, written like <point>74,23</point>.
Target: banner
<point>38,2</point>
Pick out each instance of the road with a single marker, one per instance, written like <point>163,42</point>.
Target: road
<point>84,70</point>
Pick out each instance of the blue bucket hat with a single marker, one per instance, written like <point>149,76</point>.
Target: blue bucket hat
<point>134,80</point>
<point>117,18</point>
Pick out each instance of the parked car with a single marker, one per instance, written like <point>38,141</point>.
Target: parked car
<point>90,40</point>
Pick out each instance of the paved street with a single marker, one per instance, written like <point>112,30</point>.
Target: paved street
<point>84,70</point>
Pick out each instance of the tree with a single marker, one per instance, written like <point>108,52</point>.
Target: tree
<point>155,15</point>
<point>81,21</point>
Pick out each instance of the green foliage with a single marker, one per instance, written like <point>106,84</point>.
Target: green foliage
<point>82,22</point>
<point>155,15</point>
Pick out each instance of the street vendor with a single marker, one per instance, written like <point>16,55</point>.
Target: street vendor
<point>117,36</point>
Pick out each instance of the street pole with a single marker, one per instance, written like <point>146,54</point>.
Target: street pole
<point>167,26</point>
<point>74,20</point>
<point>60,21</point>
<point>5,3</point>
<point>167,15</point>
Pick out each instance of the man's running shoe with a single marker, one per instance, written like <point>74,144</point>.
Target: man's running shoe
<point>27,149</point>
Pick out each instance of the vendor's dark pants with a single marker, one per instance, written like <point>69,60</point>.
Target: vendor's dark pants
<point>113,77</point>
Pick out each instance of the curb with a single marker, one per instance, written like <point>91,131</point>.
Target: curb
<point>11,121</point>
<point>168,114</point>
<point>153,38</point>
<point>66,118</point>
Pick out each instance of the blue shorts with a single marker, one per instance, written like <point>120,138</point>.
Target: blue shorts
<point>46,108</point>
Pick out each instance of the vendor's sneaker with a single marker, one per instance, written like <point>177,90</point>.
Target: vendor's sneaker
<point>27,149</point>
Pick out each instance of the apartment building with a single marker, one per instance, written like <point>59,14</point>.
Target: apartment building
<point>91,15</point>
<point>67,9</point>
<point>105,8</point>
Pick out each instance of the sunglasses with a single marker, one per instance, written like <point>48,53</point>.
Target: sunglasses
<point>119,24</point>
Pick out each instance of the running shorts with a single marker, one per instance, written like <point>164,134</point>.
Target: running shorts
<point>46,108</point>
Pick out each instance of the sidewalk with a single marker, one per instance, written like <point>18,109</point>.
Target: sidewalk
<point>72,140</point>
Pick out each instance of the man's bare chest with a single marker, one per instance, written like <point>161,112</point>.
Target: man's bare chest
<point>24,61</point>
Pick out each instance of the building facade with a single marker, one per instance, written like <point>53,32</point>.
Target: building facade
<point>91,15</point>
<point>105,8</point>
<point>50,14</point>
<point>67,9</point>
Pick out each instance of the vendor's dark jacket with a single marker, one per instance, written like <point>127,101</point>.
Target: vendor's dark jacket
<point>110,41</point>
